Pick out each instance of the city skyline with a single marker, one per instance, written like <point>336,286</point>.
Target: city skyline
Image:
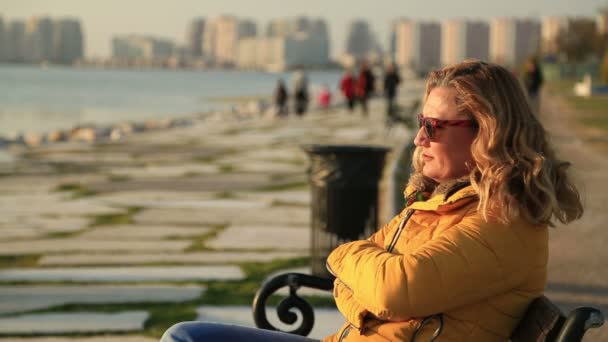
<point>102,21</point>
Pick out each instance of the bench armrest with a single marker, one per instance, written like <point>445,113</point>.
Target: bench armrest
<point>294,281</point>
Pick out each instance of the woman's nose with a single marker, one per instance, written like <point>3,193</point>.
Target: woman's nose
<point>421,139</point>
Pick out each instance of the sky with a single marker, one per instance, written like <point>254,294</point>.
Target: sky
<point>102,19</point>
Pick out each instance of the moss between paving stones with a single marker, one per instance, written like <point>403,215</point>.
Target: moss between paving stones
<point>226,168</point>
<point>199,242</point>
<point>298,185</point>
<point>282,203</point>
<point>115,219</point>
<point>118,178</point>
<point>19,261</point>
<point>78,190</point>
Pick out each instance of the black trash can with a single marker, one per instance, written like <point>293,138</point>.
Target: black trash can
<point>344,187</point>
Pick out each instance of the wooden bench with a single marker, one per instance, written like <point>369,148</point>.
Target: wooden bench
<point>543,321</point>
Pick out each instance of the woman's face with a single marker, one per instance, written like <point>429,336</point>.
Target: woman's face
<point>447,155</point>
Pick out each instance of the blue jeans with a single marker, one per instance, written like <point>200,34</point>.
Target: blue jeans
<point>203,331</point>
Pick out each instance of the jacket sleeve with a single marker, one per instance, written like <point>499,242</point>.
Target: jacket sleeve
<point>470,261</point>
<point>347,305</point>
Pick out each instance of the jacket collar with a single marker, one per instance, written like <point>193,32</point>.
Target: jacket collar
<point>423,193</point>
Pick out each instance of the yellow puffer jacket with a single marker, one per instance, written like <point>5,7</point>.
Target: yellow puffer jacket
<point>447,259</point>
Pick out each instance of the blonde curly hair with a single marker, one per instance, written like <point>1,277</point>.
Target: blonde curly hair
<point>516,172</point>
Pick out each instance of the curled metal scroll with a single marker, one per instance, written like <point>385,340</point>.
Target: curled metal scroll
<point>293,302</point>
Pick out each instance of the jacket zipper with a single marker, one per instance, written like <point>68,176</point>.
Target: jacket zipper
<point>345,332</point>
<point>406,218</point>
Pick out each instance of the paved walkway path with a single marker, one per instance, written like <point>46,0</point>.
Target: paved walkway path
<point>578,272</point>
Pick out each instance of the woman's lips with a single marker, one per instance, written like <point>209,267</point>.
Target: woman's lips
<point>426,157</point>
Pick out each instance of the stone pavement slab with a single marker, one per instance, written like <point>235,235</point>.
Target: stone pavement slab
<point>300,197</point>
<point>148,198</point>
<point>29,226</point>
<point>123,274</point>
<point>70,245</point>
<point>44,183</point>
<point>137,232</point>
<point>327,321</point>
<point>266,166</point>
<point>77,322</point>
<point>52,204</point>
<point>197,183</point>
<point>272,216</point>
<point>285,154</point>
<point>15,299</point>
<point>109,259</point>
<point>272,237</point>
<point>167,171</point>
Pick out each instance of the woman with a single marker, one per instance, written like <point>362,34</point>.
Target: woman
<point>469,252</point>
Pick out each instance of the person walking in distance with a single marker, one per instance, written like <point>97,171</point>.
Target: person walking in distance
<point>365,86</point>
<point>347,87</point>
<point>280,98</point>
<point>391,82</point>
<point>300,92</point>
<point>533,80</point>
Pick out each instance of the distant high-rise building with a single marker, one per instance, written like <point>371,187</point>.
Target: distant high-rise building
<point>67,41</point>
<point>551,27</point>
<point>279,28</point>
<point>221,38</point>
<point>463,39</point>
<point>194,39</point>
<point>318,30</point>
<point>39,40</point>
<point>141,47</point>
<point>417,44</point>
<point>287,43</point>
<point>513,40</point>
<point>301,24</point>
<point>360,41</point>
<point>247,29</point>
<point>15,41</point>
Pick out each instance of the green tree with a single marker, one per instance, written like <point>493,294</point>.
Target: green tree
<point>580,40</point>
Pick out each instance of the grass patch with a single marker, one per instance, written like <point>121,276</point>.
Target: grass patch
<point>280,203</point>
<point>118,178</point>
<point>163,317</point>
<point>591,111</point>
<point>115,219</point>
<point>205,159</point>
<point>19,261</point>
<point>226,168</point>
<point>61,235</point>
<point>78,190</point>
<point>191,174</point>
<point>285,186</point>
<point>225,195</point>
<point>199,242</point>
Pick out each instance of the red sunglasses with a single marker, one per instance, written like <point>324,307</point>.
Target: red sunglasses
<point>431,124</point>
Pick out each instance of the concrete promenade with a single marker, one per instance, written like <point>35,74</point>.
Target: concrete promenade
<point>96,238</point>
